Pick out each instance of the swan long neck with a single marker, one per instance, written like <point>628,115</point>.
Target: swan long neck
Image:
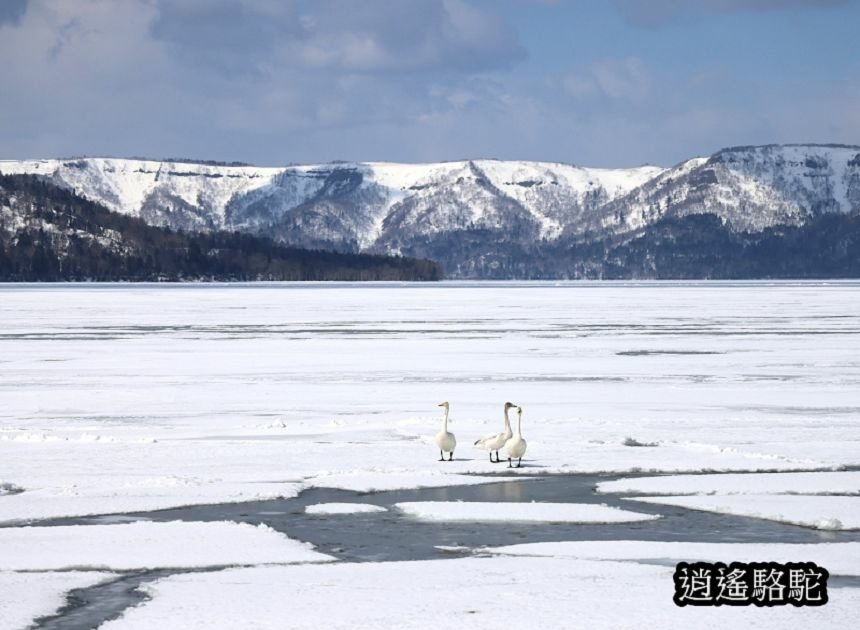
<point>507,421</point>
<point>520,425</point>
<point>445,421</point>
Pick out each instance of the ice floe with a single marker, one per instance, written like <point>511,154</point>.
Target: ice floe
<point>148,545</point>
<point>381,481</point>
<point>829,482</point>
<point>343,508</point>
<point>513,512</point>
<point>837,558</point>
<point>818,512</point>
<point>27,596</point>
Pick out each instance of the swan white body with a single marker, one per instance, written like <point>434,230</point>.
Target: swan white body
<point>445,440</point>
<point>516,446</point>
<point>495,441</point>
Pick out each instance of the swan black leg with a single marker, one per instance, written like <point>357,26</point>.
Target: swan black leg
<point>451,456</point>
<point>491,458</point>
<point>441,456</point>
<point>509,463</point>
<point>520,462</point>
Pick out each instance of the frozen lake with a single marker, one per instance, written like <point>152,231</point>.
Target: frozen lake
<point>641,356</point>
<point>120,399</point>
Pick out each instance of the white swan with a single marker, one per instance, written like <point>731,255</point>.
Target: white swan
<point>445,440</point>
<point>516,446</point>
<point>495,441</point>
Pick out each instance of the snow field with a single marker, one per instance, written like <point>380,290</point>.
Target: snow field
<point>207,394</point>
<point>124,398</point>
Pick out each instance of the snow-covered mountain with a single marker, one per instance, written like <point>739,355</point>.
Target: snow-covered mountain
<point>420,208</point>
<point>749,188</point>
<point>48,234</point>
<point>363,205</point>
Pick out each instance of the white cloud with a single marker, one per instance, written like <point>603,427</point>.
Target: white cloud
<point>273,81</point>
<point>625,79</point>
<point>338,35</point>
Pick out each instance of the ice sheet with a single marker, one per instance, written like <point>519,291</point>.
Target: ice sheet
<point>27,596</point>
<point>148,545</point>
<point>460,593</point>
<point>96,493</point>
<point>382,480</point>
<point>844,482</point>
<point>837,558</point>
<point>819,512</point>
<point>138,397</point>
<point>343,508</point>
<point>514,512</point>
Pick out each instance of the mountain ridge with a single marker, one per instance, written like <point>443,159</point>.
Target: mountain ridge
<point>48,233</point>
<point>468,205</point>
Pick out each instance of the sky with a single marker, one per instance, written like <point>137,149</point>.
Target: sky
<point>611,83</point>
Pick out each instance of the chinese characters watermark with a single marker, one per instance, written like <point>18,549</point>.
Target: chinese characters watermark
<point>745,583</point>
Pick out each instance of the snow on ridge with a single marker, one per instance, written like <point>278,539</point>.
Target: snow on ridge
<point>749,188</point>
<point>124,185</point>
<point>551,192</point>
<point>383,205</point>
<point>797,176</point>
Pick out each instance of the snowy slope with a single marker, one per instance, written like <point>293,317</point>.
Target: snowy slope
<point>353,203</point>
<point>390,207</point>
<point>559,195</point>
<point>750,188</point>
<point>190,196</point>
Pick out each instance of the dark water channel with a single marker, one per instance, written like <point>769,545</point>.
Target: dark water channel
<point>393,536</point>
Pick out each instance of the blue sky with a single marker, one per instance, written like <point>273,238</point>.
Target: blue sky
<point>599,83</point>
